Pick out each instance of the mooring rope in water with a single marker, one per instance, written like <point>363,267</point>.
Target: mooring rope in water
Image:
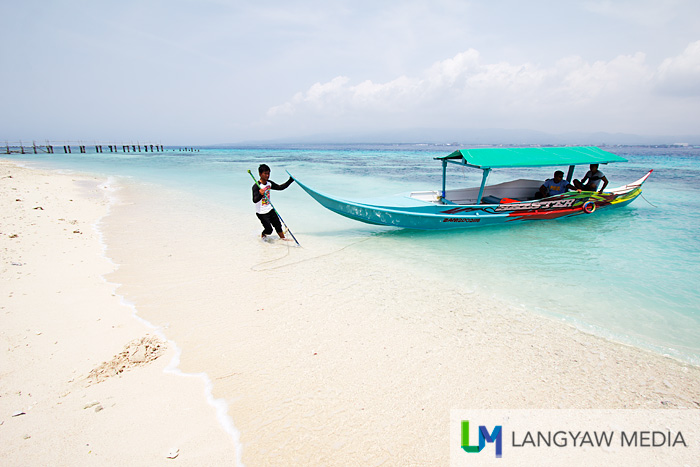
<point>256,266</point>
<point>642,195</point>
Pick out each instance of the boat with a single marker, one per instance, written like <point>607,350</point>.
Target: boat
<point>503,203</point>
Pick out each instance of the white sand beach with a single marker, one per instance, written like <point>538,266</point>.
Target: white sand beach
<point>60,321</point>
<point>325,355</point>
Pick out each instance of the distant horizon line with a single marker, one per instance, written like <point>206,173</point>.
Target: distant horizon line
<point>424,136</point>
<point>278,143</point>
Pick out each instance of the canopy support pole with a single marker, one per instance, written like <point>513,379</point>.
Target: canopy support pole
<point>444,177</point>
<point>483,184</point>
<point>570,175</point>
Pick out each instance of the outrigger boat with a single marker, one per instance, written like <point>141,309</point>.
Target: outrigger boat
<point>512,201</point>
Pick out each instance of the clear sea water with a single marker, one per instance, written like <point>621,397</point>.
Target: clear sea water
<point>631,274</point>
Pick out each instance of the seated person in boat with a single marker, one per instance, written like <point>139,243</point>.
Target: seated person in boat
<point>591,180</point>
<point>554,186</point>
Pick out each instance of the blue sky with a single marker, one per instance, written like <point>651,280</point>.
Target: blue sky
<point>207,72</point>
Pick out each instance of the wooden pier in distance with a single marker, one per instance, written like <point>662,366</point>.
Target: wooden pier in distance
<point>83,148</point>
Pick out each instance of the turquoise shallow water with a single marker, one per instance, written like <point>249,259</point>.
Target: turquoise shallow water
<point>630,274</point>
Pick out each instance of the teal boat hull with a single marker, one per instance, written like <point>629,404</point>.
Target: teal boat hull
<point>405,212</point>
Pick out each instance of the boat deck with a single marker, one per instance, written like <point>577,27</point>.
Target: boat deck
<point>520,190</point>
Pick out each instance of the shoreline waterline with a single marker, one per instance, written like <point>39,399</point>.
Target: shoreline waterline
<point>111,188</point>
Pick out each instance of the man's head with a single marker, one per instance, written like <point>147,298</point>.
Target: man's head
<point>594,167</point>
<point>264,172</point>
<point>558,176</point>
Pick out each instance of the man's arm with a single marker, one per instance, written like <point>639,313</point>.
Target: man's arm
<point>605,183</point>
<point>256,194</point>
<point>283,186</point>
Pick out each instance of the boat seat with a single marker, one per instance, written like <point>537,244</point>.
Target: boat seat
<point>490,199</point>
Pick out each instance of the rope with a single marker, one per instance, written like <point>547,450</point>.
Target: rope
<point>253,268</point>
<point>642,195</point>
<point>256,266</point>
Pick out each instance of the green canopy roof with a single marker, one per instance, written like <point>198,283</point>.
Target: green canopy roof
<point>488,158</point>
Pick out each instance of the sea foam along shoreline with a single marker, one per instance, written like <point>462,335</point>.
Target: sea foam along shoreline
<point>60,320</point>
<point>111,188</point>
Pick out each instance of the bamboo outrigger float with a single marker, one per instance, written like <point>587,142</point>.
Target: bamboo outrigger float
<point>489,204</point>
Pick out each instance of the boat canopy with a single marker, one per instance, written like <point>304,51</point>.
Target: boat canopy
<point>491,158</point>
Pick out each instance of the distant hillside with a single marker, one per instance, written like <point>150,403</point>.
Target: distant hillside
<point>479,137</point>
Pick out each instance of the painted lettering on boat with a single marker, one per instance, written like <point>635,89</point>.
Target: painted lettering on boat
<point>562,203</point>
<point>460,219</point>
<point>540,205</point>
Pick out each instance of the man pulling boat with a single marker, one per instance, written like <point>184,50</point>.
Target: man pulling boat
<point>264,209</point>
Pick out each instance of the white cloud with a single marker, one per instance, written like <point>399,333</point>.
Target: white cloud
<point>466,89</point>
<point>680,76</point>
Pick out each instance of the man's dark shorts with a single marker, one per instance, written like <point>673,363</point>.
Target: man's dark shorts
<point>269,220</point>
